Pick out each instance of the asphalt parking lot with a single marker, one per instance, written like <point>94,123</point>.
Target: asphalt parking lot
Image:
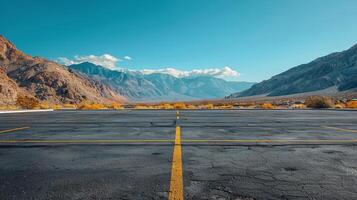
<point>214,154</point>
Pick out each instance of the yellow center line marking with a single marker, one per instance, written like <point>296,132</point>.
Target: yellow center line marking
<point>176,182</point>
<point>340,129</point>
<point>15,129</point>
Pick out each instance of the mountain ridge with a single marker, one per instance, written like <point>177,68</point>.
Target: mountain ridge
<point>338,69</point>
<point>160,86</point>
<point>45,80</point>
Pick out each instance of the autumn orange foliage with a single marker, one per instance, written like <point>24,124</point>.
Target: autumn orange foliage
<point>164,106</point>
<point>56,106</point>
<point>115,106</point>
<point>143,107</point>
<point>339,106</point>
<point>267,106</point>
<point>8,107</point>
<point>351,104</point>
<point>206,106</point>
<point>179,106</point>
<point>298,106</point>
<point>44,105</point>
<point>69,106</point>
<point>27,102</point>
<point>190,106</point>
<point>91,106</point>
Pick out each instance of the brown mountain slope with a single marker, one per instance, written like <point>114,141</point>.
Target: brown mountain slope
<point>8,88</point>
<point>46,80</point>
<point>336,71</point>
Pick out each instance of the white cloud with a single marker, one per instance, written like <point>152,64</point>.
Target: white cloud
<point>225,72</point>
<point>65,61</point>
<point>105,60</point>
<point>127,58</point>
<point>109,61</point>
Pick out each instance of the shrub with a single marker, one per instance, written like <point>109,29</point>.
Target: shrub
<point>8,107</point>
<point>190,106</point>
<point>165,106</point>
<point>351,104</point>
<point>115,106</point>
<point>27,102</point>
<point>267,106</point>
<point>339,106</point>
<point>179,106</point>
<point>142,107</point>
<point>71,106</point>
<point>298,106</point>
<point>222,106</point>
<point>319,102</point>
<point>207,106</point>
<point>56,106</point>
<point>44,105</point>
<point>93,106</point>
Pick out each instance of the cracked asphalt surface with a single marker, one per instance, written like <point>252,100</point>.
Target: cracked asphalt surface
<point>211,170</point>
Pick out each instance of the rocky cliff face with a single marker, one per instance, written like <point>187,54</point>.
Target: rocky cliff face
<point>46,80</point>
<point>337,70</point>
<point>8,88</point>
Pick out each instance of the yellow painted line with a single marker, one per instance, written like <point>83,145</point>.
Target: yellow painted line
<point>270,141</point>
<point>14,129</point>
<point>340,129</point>
<point>176,182</point>
<point>179,141</point>
<point>86,141</point>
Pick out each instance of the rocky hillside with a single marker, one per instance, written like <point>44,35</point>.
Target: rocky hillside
<point>22,74</point>
<point>8,88</point>
<point>337,71</point>
<point>158,86</point>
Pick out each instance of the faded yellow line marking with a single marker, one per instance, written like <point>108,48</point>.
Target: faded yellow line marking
<point>270,141</point>
<point>15,129</point>
<point>86,141</point>
<point>340,129</point>
<point>176,182</point>
<point>181,141</point>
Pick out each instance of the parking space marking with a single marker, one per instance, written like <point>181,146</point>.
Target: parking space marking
<point>176,181</point>
<point>340,129</point>
<point>15,129</point>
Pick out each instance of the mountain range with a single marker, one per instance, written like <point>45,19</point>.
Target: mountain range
<point>24,75</point>
<point>158,86</point>
<point>336,72</point>
<point>45,80</point>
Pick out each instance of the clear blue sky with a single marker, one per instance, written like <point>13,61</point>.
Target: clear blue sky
<point>258,38</point>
